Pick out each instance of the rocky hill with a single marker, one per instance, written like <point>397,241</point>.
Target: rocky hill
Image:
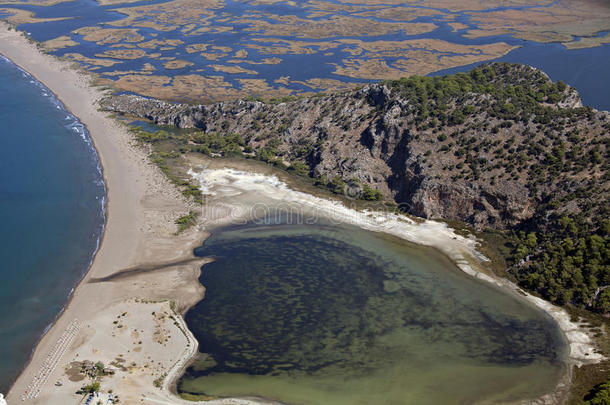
<point>482,148</point>
<point>499,147</point>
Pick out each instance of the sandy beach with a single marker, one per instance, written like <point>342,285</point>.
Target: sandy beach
<point>133,321</point>
<point>140,229</point>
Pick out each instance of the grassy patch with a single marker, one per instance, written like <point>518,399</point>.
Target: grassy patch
<point>197,397</point>
<point>584,381</point>
<point>186,221</point>
<point>495,245</point>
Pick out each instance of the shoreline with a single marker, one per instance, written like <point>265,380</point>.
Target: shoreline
<point>141,208</point>
<point>89,140</point>
<point>462,251</point>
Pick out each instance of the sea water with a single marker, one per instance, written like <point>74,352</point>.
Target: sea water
<point>335,315</point>
<point>51,212</point>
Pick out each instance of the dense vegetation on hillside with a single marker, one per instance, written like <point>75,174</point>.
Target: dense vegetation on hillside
<point>521,99</point>
<point>565,258</point>
<point>501,147</point>
<point>562,254</point>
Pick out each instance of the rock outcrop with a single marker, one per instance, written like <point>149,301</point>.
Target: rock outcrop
<point>486,147</point>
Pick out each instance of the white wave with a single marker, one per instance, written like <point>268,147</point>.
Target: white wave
<point>81,129</point>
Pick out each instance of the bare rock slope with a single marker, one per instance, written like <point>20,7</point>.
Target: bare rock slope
<point>486,147</point>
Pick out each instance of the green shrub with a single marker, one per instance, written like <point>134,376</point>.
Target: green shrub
<point>599,395</point>
<point>186,221</point>
<point>371,194</point>
<point>299,168</point>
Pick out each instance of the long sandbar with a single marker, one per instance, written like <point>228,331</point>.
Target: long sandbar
<point>141,208</point>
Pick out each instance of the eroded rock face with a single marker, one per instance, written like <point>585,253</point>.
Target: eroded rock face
<point>467,162</point>
<point>473,203</point>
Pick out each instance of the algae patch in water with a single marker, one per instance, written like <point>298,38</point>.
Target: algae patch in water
<point>334,315</point>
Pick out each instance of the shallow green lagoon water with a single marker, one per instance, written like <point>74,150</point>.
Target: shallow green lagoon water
<point>335,315</point>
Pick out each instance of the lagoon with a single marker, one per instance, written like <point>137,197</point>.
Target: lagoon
<point>319,314</point>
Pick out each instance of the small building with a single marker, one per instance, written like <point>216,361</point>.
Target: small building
<point>109,370</point>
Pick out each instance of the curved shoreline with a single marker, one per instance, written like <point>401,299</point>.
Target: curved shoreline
<point>134,222</point>
<point>133,187</point>
<point>99,232</point>
<point>461,250</point>
<point>104,212</point>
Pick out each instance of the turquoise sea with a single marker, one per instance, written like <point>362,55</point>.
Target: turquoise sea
<point>52,200</point>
